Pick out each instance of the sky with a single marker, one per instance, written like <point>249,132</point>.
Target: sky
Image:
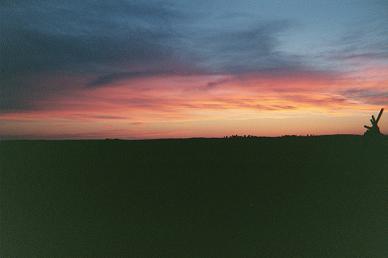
<point>170,69</point>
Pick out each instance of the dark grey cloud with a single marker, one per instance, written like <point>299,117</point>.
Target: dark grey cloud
<point>60,34</point>
<point>77,37</point>
<point>114,77</point>
<point>368,96</point>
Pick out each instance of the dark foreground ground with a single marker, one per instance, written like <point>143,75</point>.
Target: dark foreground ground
<point>267,197</point>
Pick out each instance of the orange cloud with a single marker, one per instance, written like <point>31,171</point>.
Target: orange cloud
<point>195,105</point>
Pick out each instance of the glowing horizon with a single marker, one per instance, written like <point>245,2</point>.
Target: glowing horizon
<point>180,109</point>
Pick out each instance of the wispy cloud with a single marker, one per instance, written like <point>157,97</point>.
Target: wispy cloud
<point>369,96</point>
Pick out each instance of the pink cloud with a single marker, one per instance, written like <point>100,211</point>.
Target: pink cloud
<point>152,103</point>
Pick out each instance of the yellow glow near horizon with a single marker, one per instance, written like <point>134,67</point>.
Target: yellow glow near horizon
<point>191,106</point>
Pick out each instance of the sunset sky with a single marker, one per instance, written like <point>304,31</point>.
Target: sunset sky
<point>184,68</point>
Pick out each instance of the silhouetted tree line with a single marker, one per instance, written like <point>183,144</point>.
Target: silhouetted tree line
<point>240,136</point>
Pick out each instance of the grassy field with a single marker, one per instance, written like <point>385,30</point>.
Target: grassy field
<point>262,197</point>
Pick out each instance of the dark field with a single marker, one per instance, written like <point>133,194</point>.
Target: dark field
<point>267,197</point>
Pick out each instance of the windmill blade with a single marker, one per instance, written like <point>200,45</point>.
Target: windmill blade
<point>367,127</point>
<point>379,116</point>
<point>373,118</point>
<point>373,122</point>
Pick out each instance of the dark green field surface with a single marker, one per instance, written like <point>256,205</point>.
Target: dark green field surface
<point>267,197</point>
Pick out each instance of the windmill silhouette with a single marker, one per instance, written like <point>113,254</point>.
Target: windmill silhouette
<point>374,130</point>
